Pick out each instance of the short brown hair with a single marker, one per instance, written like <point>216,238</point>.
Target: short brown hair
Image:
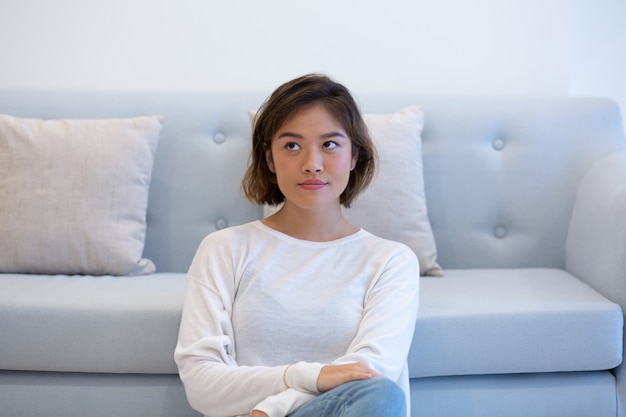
<point>259,183</point>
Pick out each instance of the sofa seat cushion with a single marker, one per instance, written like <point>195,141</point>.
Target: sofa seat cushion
<point>471,322</point>
<point>90,324</point>
<point>499,321</point>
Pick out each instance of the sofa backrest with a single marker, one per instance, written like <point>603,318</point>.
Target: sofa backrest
<point>500,173</point>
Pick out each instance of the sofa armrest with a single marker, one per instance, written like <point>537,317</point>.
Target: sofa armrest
<point>596,242</point>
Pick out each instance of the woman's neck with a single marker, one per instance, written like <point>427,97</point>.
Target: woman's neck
<point>316,225</point>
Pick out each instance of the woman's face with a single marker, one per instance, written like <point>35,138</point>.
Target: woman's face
<point>311,155</point>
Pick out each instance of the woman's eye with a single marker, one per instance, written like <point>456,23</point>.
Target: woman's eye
<point>292,146</point>
<point>330,145</point>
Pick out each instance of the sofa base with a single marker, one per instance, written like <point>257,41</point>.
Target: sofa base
<point>52,394</point>
<point>570,394</point>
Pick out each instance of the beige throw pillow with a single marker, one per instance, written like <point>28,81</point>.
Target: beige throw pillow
<point>74,195</point>
<point>394,205</point>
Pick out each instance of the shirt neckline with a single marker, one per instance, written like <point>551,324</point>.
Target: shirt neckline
<point>351,237</point>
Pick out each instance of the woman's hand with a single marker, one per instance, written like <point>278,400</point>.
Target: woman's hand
<point>257,413</point>
<point>332,376</point>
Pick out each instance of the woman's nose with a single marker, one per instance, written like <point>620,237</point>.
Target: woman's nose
<point>313,162</point>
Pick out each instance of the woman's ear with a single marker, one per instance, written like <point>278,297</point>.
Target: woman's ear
<point>355,157</point>
<point>268,158</point>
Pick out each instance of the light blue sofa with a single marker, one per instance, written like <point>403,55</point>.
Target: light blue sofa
<point>527,201</point>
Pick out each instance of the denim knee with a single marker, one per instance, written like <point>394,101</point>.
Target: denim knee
<point>376,397</point>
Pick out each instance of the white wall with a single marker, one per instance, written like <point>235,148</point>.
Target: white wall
<point>598,49</point>
<point>427,46</point>
<point>493,47</point>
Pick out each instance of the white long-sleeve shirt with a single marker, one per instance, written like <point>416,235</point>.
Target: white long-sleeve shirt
<point>258,300</point>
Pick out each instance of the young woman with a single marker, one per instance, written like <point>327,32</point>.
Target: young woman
<point>301,313</point>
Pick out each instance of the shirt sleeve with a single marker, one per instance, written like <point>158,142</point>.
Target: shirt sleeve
<point>205,353</point>
<point>214,384</point>
<point>386,330</point>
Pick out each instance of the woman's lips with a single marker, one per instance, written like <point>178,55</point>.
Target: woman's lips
<point>312,184</point>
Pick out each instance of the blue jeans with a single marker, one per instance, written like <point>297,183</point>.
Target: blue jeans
<point>375,397</point>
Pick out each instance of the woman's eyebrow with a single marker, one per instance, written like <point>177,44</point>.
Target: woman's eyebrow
<point>289,135</point>
<point>328,135</point>
<point>332,135</point>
